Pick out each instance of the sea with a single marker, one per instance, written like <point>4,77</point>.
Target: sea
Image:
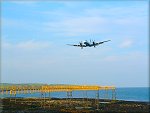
<point>128,94</point>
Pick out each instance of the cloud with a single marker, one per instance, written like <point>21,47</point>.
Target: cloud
<point>119,11</point>
<point>27,2</point>
<point>19,24</point>
<point>6,45</point>
<point>96,20</point>
<point>129,57</point>
<point>76,26</point>
<point>89,20</point>
<point>30,44</point>
<point>126,43</point>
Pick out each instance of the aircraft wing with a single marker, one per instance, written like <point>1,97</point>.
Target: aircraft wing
<point>76,45</point>
<point>73,45</point>
<point>102,42</point>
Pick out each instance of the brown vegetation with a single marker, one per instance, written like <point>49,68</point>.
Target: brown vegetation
<point>74,105</point>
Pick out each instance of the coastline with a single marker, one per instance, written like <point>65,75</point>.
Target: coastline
<point>68,105</point>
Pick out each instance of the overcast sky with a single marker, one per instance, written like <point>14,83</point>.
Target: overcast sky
<point>34,35</point>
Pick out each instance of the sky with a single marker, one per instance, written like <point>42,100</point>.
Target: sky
<point>34,35</point>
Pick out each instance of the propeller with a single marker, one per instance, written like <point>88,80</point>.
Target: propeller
<point>81,45</point>
<point>94,43</point>
<point>90,41</point>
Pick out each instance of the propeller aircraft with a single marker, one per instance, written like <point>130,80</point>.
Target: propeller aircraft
<point>88,44</point>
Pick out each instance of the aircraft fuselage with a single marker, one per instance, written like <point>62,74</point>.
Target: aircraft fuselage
<point>88,44</point>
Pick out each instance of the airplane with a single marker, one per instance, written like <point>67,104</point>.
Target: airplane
<point>88,44</point>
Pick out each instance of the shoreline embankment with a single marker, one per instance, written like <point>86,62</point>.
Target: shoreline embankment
<point>70,105</point>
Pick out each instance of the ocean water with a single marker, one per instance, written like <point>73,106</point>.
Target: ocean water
<point>134,94</point>
<point>130,94</point>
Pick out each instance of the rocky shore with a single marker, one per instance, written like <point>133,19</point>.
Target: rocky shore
<point>73,105</point>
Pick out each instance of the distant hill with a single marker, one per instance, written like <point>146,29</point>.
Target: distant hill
<point>25,84</point>
<point>29,84</point>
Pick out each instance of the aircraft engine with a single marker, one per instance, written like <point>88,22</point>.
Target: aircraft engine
<point>94,43</point>
<point>81,45</point>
